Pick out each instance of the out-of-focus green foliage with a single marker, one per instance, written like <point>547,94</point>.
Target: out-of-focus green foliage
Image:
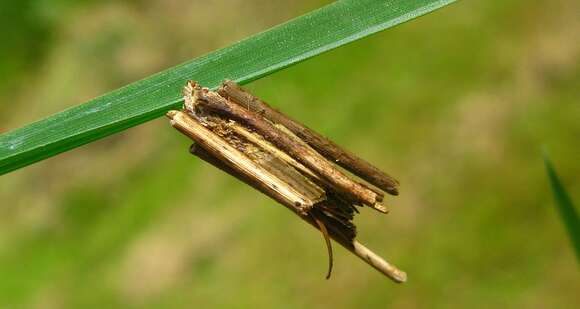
<point>455,104</point>
<point>324,29</point>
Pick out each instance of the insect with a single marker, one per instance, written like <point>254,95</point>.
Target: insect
<point>243,136</point>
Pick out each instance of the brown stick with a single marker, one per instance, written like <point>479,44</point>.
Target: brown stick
<point>378,262</point>
<point>311,159</point>
<point>324,146</point>
<point>353,246</point>
<point>257,149</point>
<point>379,195</point>
<point>256,139</point>
<point>236,160</point>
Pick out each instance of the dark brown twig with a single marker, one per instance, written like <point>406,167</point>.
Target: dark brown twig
<point>324,146</point>
<point>311,159</point>
<point>236,160</point>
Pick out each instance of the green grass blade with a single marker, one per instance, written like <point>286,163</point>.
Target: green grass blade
<point>565,207</point>
<point>324,29</point>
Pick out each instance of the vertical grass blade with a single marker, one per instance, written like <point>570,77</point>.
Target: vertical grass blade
<point>324,29</point>
<point>565,207</point>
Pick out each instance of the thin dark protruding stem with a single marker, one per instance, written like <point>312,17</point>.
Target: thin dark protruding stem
<point>324,231</point>
<point>324,146</point>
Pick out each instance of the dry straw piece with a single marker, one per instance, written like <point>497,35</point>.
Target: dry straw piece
<point>246,138</point>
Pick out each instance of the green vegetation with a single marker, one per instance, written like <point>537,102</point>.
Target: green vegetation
<point>255,57</point>
<point>564,206</point>
<point>455,104</point>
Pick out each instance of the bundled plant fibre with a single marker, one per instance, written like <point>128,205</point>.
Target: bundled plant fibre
<point>243,136</point>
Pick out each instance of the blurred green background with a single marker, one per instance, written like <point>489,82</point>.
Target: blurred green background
<point>457,105</point>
